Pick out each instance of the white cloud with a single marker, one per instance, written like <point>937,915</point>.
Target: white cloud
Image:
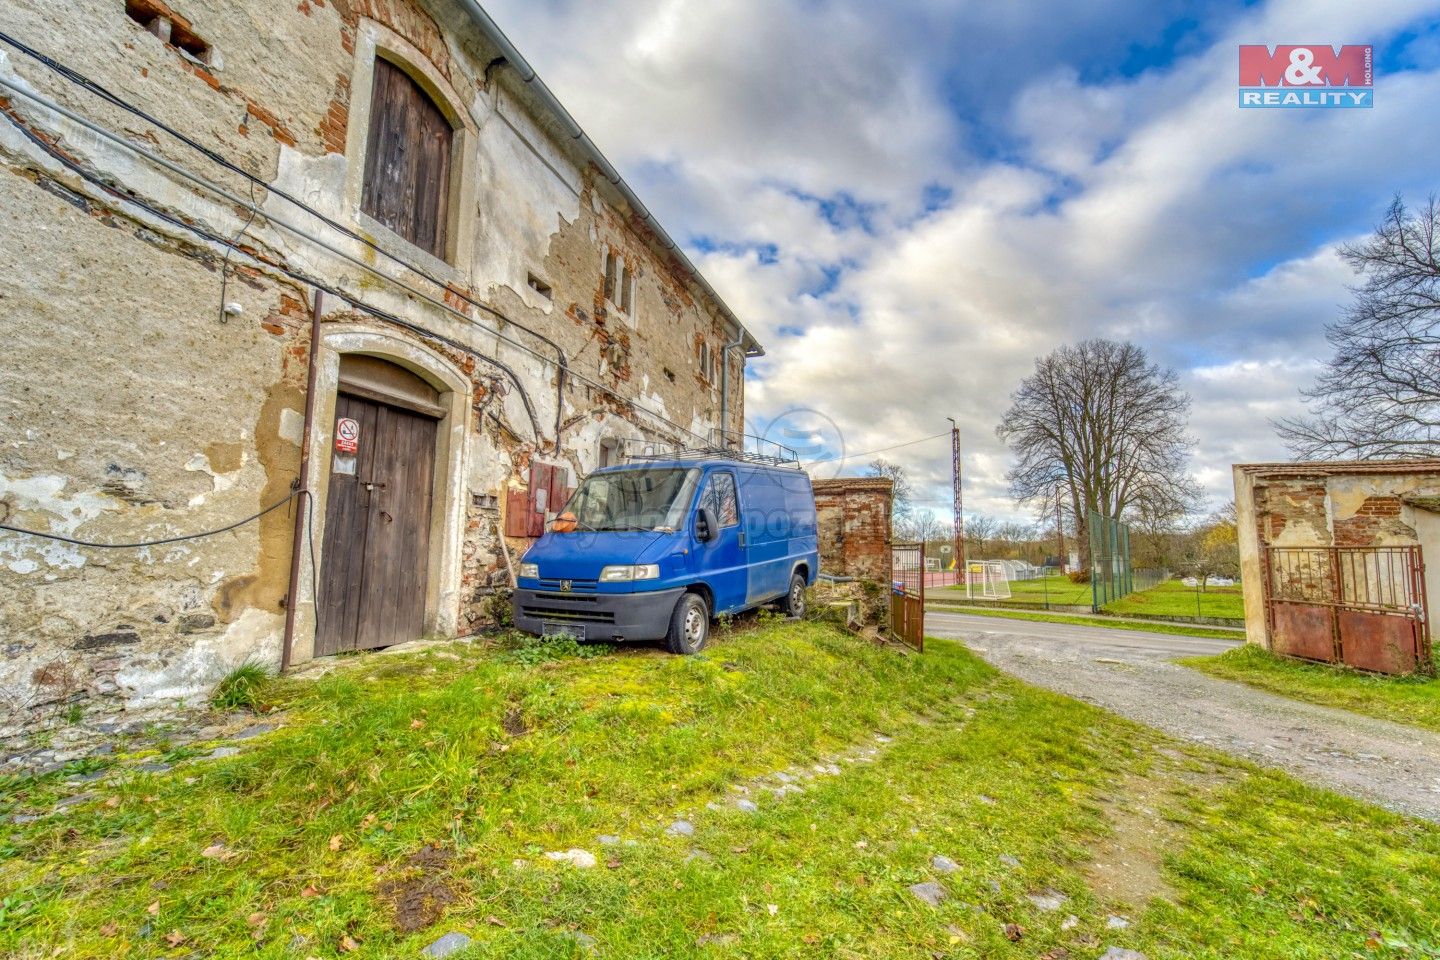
<point>1085,197</point>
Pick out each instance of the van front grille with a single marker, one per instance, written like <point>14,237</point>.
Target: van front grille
<point>582,586</point>
<point>569,616</point>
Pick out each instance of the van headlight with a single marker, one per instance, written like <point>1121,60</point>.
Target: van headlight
<point>531,570</point>
<point>631,571</point>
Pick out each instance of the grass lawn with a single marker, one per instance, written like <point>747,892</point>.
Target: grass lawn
<point>1040,616</point>
<point>1173,599</point>
<point>1057,590</point>
<point>1413,700</point>
<point>410,795</point>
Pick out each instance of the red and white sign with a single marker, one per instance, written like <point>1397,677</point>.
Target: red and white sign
<point>347,435</point>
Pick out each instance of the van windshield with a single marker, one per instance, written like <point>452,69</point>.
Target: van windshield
<point>639,499</point>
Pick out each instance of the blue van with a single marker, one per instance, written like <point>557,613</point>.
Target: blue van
<point>656,549</point>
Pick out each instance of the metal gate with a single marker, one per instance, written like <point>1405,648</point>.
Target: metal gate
<point>907,594</point>
<point>1364,607</point>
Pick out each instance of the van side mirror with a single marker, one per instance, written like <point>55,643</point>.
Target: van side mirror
<point>706,525</point>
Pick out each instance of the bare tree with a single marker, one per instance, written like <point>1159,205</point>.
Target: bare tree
<point>979,532</point>
<point>1157,523</point>
<point>920,526</point>
<point>1101,421</point>
<point>902,494</point>
<point>1380,393</point>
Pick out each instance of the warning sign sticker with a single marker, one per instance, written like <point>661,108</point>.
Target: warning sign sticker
<point>347,435</point>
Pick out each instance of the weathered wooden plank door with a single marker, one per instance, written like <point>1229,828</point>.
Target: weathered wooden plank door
<point>407,160</point>
<point>377,532</point>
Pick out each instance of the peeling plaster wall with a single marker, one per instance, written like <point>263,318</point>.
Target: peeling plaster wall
<point>1332,505</point>
<point>130,409</point>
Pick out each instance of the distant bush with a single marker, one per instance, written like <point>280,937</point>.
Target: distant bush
<point>1079,576</point>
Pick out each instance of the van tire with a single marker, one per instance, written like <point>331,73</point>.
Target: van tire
<point>793,603</point>
<point>689,625</point>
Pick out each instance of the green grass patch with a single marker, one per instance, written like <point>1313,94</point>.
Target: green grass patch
<point>241,688</point>
<point>1053,589</point>
<point>1412,700</point>
<point>1040,616</point>
<point>1171,598</point>
<point>439,780</point>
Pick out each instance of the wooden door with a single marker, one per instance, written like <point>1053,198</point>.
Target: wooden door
<point>377,532</point>
<point>407,160</point>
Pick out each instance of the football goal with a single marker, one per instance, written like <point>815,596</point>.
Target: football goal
<point>987,580</point>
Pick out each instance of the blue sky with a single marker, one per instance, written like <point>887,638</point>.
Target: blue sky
<point>909,202</point>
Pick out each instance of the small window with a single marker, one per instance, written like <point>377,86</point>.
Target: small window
<point>407,160</point>
<point>627,289</point>
<point>610,277</point>
<point>541,287</point>
<point>706,371</point>
<point>171,29</point>
<point>725,504</point>
<point>609,452</point>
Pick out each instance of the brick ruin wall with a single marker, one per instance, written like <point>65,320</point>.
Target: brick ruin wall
<point>853,528</point>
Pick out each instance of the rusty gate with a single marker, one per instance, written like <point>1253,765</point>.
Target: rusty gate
<point>907,593</point>
<point>1364,607</point>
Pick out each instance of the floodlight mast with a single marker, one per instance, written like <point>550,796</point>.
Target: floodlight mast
<point>961,561</point>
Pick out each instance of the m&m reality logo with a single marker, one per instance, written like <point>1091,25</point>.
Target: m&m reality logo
<point>1310,75</point>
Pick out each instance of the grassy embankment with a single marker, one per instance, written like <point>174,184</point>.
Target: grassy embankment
<point>1412,700</point>
<point>410,795</point>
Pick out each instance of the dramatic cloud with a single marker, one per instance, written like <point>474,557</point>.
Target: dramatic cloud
<point>908,204</point>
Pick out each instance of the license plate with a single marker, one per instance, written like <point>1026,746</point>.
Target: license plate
<point>575,630</point>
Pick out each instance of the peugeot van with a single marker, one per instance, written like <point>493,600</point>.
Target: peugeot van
<point>656,549</point>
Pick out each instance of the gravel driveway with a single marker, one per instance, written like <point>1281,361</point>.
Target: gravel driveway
<point>1130,673</point>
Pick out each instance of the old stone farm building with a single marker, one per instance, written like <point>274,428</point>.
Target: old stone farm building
<point>496,313</point>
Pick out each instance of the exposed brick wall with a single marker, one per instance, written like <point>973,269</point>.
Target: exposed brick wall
<point>1377,521</point>
<point>854,526</point>
<point>1284,503</point>
<point>1294,500</point>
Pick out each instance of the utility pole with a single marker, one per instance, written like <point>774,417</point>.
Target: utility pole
<point>962,563</point>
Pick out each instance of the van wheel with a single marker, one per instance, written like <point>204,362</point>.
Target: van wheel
<point>794,603</point>
<point>689,625</point>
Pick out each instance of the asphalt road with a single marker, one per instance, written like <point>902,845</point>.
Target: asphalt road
<point>1132,673</point>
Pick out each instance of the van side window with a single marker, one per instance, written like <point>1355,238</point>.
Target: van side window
<point>728,508</point>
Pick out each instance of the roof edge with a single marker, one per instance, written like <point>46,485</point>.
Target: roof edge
<point>1341,466</point>
<point>527,75</point>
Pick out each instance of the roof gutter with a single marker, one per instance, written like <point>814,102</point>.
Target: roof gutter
<point>572,129</point>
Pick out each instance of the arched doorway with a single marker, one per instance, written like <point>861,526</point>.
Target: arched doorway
<point>378,507</point>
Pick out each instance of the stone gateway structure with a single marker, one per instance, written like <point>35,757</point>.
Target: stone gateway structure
<point>1341,561</point>
<point>355,237</point>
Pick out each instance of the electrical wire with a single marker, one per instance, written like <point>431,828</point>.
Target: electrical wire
<point>79,79</point>
<point>225,264</point>
<point>156,543</point>
<point>86,83</point>
<point>222,241</point>
<point>871,453</point>
<point>281,268</point>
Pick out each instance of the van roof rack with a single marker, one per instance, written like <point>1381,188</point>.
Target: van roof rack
<point>742,447</point>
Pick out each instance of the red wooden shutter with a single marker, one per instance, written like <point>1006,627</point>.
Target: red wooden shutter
<point>517,513</point>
